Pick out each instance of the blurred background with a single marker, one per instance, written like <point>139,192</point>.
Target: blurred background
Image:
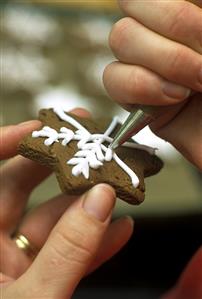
<point>54,53</point>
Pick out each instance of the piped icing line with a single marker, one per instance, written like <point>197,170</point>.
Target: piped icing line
<point>128,170</point>
<point>111,127</point>
<point>91,147</point>
<point>110,154</point>
<point>63,116</point>
<point>149,149</point>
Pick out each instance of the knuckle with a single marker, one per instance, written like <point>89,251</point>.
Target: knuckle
<point>135,84</point>
<point>70,250</point>
<point>176,61</point>
<point>107,70</point>
<point>178,22</point>
<point>108,73</point>
<point>119,35</point>
<point>125,5</point>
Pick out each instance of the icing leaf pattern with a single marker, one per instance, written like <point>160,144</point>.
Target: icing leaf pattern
<point>51,134</point>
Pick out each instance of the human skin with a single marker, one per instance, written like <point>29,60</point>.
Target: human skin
<point>74,234</point>
<point>158,46</point>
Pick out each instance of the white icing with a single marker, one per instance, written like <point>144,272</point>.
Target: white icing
<point>62,115</point>
<point>149,149</point>
<point>51,134</point>
<point>128,170</point>
<point>92,152</point>
<point>66,134</point>
<point>112,155</point>
<point>111,127</point>
<point>109,153</point>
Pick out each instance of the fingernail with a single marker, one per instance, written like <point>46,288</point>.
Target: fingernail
<point>30,122</point>
<point>99,201</point>
<point>175,91</point>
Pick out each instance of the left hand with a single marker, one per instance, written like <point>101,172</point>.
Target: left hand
<point>71,239</point>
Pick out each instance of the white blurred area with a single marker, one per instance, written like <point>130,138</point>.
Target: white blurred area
<point>67,98</point>
<point>100,25</point>
<point>30,26</point>
<point>26,66</point>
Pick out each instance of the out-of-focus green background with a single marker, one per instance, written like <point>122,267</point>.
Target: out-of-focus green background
<point>54,52</point>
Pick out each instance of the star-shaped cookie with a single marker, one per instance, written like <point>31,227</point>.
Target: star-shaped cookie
<point>77,151</point>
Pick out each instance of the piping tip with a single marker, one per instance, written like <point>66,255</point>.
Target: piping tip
<point>114,145</point>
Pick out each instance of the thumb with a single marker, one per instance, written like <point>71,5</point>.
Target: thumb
<point>71,246</point>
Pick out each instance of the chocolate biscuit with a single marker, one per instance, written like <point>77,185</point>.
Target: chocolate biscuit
<point>78,156</point>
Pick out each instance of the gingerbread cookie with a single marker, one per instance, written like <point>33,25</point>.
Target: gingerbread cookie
<point>77,149</point>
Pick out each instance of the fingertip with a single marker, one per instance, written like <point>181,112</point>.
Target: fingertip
<point>11,136</point>
<point>126,224</point>
<point>30,123</point>
<point>130,221</point>
<point>81,112</point>
<point>107,188</point>
<point>99,202</point>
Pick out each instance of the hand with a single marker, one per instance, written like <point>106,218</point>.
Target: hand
<point>70,236</point>
<point>159,48</point>
<point>189,284</point>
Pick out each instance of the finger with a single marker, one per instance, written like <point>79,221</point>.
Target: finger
<point>13,261</point>
<point>81,112</point>
<point>47,214</point>
<point>19,177</point>
<point>189,284</point>
<point>133,43</point>
<point>132,84</point>
<point>10,137</point>
<point>37,225</point>
<point>4,279</point>
<point>71,246</point>
<point>184,131</point>
<point>180,21</point>
<point>117,235</point>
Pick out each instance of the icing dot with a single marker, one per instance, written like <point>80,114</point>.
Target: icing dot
<point>109,154</point>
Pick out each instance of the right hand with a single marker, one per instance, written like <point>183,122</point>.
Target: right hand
<point>159,52</point>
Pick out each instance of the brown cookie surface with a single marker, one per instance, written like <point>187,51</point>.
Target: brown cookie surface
<point>56,156</point>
